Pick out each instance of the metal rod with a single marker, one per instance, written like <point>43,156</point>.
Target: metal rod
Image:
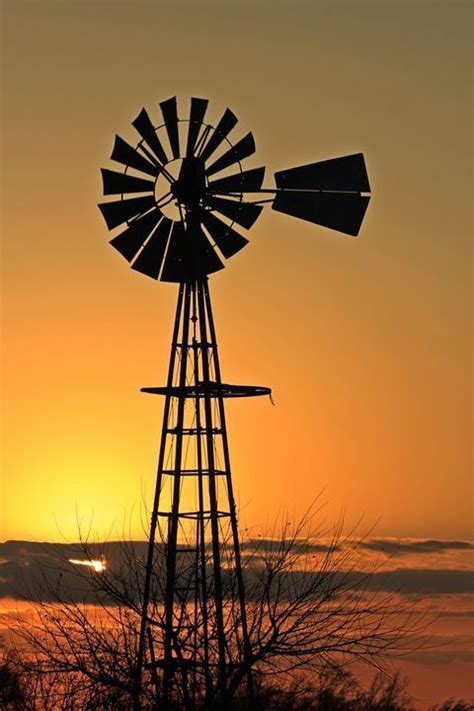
<point>230,493</point>
<point>154,514</point>
<point>284,190</point>
<point>174,518</point>
<point>222,683</point>
<point>200,533</point>
<point>156,162</point>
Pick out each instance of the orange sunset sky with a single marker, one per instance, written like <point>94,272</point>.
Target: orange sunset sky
<point>365,343</point>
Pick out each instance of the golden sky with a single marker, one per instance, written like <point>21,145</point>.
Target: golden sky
<point>366,343</point>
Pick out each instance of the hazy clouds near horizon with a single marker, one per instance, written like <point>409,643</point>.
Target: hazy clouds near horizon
<point>33,570</point>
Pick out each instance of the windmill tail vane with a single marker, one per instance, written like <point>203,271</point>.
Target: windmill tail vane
<point>181,204</point>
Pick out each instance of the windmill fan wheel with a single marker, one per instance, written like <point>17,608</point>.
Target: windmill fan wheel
<point>178,212</point>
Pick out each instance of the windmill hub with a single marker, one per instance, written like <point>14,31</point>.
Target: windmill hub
<point>190,188</point>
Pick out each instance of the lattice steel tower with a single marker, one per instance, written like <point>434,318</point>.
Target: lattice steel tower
<point>194,643</point>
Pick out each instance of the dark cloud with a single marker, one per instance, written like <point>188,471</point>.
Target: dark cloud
<point>274,545</point>
<point>35,571</point>
<point>386,545</point>
<point>405,581</point>
<point>425,581</point>
<point>394,547</point>
<point>443,657</point>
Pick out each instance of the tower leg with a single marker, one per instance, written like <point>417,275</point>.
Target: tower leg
<point>154,513</point>
<point>230,492</point>
<point>173,520</point>
<point>216,555</point>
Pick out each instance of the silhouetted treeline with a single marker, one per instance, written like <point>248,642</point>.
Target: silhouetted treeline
<point>335,691</point>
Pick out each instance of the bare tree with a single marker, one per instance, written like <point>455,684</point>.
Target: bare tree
<point>311,604</point>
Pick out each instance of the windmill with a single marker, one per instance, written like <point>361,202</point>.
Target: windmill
<point>182,198</point>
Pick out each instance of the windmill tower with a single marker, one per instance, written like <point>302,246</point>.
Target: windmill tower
<point>183,195</point>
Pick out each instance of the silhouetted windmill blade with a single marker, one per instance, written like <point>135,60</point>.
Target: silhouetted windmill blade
<point>246,181</point>
<point>127,155</point>
<point>175,265</point>
<point>196,118</point>
<point>338,211</point>
<point>243,213</point>
<point>147,131</point>
<point>221,131</point>
<point>227,239</point>
<point>122,210</point>
<point>129,242</point>
<point>190,255</point>
<point>204,257</point>
<point>347,174</point>
<point>242,149</point>
<point>119,183</point>
<point>150,259</point>
<point>170,117</point>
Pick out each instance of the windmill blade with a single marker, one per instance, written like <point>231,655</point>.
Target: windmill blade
<point>244,148</point>
<point>175,265</point>
<point>120,211</point>
<point>150,259</point>
<point>247,181</point>
<point>147,131</point>
<point>204,256</point>
<point>127,155</point>
<point>223,128</point>
<point>190,254</point>
<point>343,212</point>
<point>170,117</point>
<point>196,117</point>
<point>228,240</point>
<point>243,213</point>
<point>130,240</point>
<point>120,183</point>
<point>347,174</point>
